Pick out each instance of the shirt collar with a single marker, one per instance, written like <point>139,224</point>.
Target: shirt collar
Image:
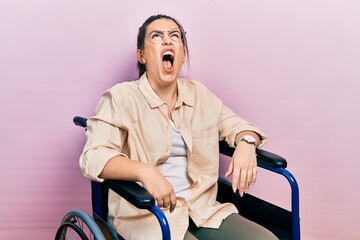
<point>185,94</point>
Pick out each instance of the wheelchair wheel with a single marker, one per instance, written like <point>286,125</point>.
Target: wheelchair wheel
<point>77,224</point>
<point>69,230</point>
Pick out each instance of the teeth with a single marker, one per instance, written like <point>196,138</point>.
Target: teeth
<point>169,53</point>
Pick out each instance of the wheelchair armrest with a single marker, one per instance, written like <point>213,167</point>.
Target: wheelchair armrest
<point>140,198</point>
<point>132,192</point>
<point>270,159</point>
<point>264,158</point>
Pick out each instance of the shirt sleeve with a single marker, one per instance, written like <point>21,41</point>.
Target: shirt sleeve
<point>105,137</point>
<point>231,124</point>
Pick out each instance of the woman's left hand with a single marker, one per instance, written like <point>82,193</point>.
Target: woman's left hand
<point>243,167</point>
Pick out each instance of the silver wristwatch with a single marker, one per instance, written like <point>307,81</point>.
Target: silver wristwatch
<point>247,138</point>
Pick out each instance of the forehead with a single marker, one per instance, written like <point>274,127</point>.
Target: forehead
<point>162,25</point>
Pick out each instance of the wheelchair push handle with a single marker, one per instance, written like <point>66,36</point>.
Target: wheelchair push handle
<point>80,121</point>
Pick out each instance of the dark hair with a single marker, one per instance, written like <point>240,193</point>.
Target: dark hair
<point>142,33</point>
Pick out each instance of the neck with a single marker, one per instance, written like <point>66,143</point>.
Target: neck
<point>166,91</point>
<point>167,95</point>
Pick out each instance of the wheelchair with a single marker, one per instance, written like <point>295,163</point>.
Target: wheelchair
<point>285,224</point>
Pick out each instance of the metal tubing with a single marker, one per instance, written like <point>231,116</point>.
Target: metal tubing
<point>295,206</point>
<point>165,229</point>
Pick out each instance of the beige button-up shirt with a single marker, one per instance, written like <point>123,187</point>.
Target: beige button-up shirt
<point>132,121</point>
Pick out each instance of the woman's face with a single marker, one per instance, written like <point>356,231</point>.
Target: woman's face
<point>163,52</point>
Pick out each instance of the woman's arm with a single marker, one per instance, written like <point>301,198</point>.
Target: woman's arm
<point>122,168</point>
<point>243,165</point>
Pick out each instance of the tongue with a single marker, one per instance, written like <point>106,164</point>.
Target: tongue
<point>167,65</point>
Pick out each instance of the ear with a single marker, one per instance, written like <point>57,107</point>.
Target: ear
<point>184,56</point>
<point>140,56</point>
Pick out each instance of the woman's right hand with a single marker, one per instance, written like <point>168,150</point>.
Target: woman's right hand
<point>159,187</point>
<point>122,168</point>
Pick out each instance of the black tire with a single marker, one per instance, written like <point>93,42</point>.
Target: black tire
<point>61,232</point>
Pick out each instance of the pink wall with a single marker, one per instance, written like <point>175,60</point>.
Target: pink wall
<point>292,67</point>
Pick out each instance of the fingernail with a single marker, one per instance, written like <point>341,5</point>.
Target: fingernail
<point>241,194</point>
<point>234,189</point>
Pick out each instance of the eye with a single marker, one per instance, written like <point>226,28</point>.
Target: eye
<point>175,35</point>
<point>156,35</point>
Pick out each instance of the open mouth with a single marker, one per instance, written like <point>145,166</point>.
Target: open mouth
<point>168,60</point>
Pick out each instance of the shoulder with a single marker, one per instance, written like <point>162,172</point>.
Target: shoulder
<point>194,85</point>
<point>123,88</point>
<point>122,91</point>
<point>119,95</point>
<point>198,89</point>
<point>198,95</point>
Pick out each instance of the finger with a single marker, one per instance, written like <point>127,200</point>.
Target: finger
<point>230,169</point>
<point>172,202</point>
<point>235,180</point>
<point>166,202</point>
<point>249,179</point>
<point>247,186</point>
<point>159,202</point>
<point>243,182</point>
<point>254,175</point>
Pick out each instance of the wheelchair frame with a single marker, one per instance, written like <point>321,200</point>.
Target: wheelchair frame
<point>248,205</point>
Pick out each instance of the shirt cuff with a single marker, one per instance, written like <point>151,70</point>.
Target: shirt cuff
<point>232,137</point>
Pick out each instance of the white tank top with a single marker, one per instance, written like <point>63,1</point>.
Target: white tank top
<point>175,167</point>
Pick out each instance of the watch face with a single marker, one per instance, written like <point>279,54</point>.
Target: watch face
<point>249,139</point>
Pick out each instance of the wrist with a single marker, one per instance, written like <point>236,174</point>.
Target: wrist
<point>248,139</point>
<point>145,171</point>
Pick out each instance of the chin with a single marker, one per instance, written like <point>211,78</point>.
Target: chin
<point>169,76</point>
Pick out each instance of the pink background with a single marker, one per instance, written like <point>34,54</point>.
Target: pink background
<point>292,67</point>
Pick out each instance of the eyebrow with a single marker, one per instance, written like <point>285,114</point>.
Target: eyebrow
<point>155,31</point>
<point>170,31</point>
<point>175,30</point>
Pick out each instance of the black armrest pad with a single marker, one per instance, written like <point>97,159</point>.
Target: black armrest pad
<point>263,157</point>
<point>270,159</point>
<point>132,192</point>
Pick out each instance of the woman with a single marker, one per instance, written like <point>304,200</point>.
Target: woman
<point>163,132</point>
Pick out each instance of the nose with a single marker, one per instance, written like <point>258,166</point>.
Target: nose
<point>167,40</point>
